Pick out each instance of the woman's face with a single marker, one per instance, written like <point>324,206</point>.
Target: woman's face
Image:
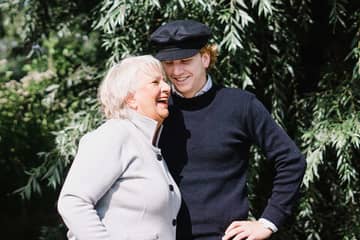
<point>151,97</point>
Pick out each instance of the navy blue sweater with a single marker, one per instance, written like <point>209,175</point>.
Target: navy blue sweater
<point>206,141</point>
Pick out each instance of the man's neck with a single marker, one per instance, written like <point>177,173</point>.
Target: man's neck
<point>203,89</point>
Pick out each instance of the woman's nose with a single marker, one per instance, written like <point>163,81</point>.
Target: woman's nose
<point>165,86</point>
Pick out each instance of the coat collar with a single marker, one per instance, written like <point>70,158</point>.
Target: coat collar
<point>145,124</point>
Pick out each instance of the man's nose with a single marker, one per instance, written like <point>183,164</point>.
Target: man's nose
<point>177,69</point>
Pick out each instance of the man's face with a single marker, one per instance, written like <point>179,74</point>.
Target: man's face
<point>188,74</point>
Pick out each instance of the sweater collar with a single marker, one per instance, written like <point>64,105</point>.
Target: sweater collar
<point>145,124</point>
<point>197,102</point>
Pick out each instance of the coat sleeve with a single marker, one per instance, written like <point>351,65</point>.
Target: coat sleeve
<point>97,165</point>
<point>289,162</point>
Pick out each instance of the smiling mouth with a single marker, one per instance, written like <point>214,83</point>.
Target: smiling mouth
<point>180,79</point>
<point>162,101</point>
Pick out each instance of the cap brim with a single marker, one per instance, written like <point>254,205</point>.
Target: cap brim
<point>175,54</point>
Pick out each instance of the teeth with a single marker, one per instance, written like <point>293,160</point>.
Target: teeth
<point>181,79</point>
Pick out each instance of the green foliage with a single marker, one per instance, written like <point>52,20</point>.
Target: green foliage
<point>45,80</point>
<point>332,143</point>
<point>52,233</point>
<point>52,168</point>
<point>50,74</point>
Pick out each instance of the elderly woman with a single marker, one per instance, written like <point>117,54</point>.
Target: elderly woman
<point>118,186</point>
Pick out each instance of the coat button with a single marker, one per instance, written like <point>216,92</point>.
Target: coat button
<point>174,222</point>
<point>159,157</point>
<point>171,187</point>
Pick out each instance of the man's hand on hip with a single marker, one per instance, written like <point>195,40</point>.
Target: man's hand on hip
<point>249,230</point>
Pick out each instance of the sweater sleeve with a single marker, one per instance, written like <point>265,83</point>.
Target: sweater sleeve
<point>94,170</point>
<point>289,162</point>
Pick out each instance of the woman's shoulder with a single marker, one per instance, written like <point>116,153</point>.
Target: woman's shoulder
<point>111,130</point>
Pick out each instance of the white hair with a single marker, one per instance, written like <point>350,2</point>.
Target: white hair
<point>123,79</point>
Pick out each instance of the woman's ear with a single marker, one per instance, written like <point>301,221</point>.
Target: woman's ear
<point>131,101</point>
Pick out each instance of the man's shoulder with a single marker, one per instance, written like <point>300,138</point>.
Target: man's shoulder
<point>234,93</point>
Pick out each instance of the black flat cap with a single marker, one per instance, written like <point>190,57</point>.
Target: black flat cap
<point>180,39</point>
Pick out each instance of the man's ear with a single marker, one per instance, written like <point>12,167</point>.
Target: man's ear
<point>131,101</point>
<point>205,58</point>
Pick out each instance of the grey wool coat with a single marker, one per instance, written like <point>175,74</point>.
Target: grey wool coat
<point>119,187</point>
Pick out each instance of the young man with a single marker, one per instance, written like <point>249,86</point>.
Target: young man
<point>206,141</point>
